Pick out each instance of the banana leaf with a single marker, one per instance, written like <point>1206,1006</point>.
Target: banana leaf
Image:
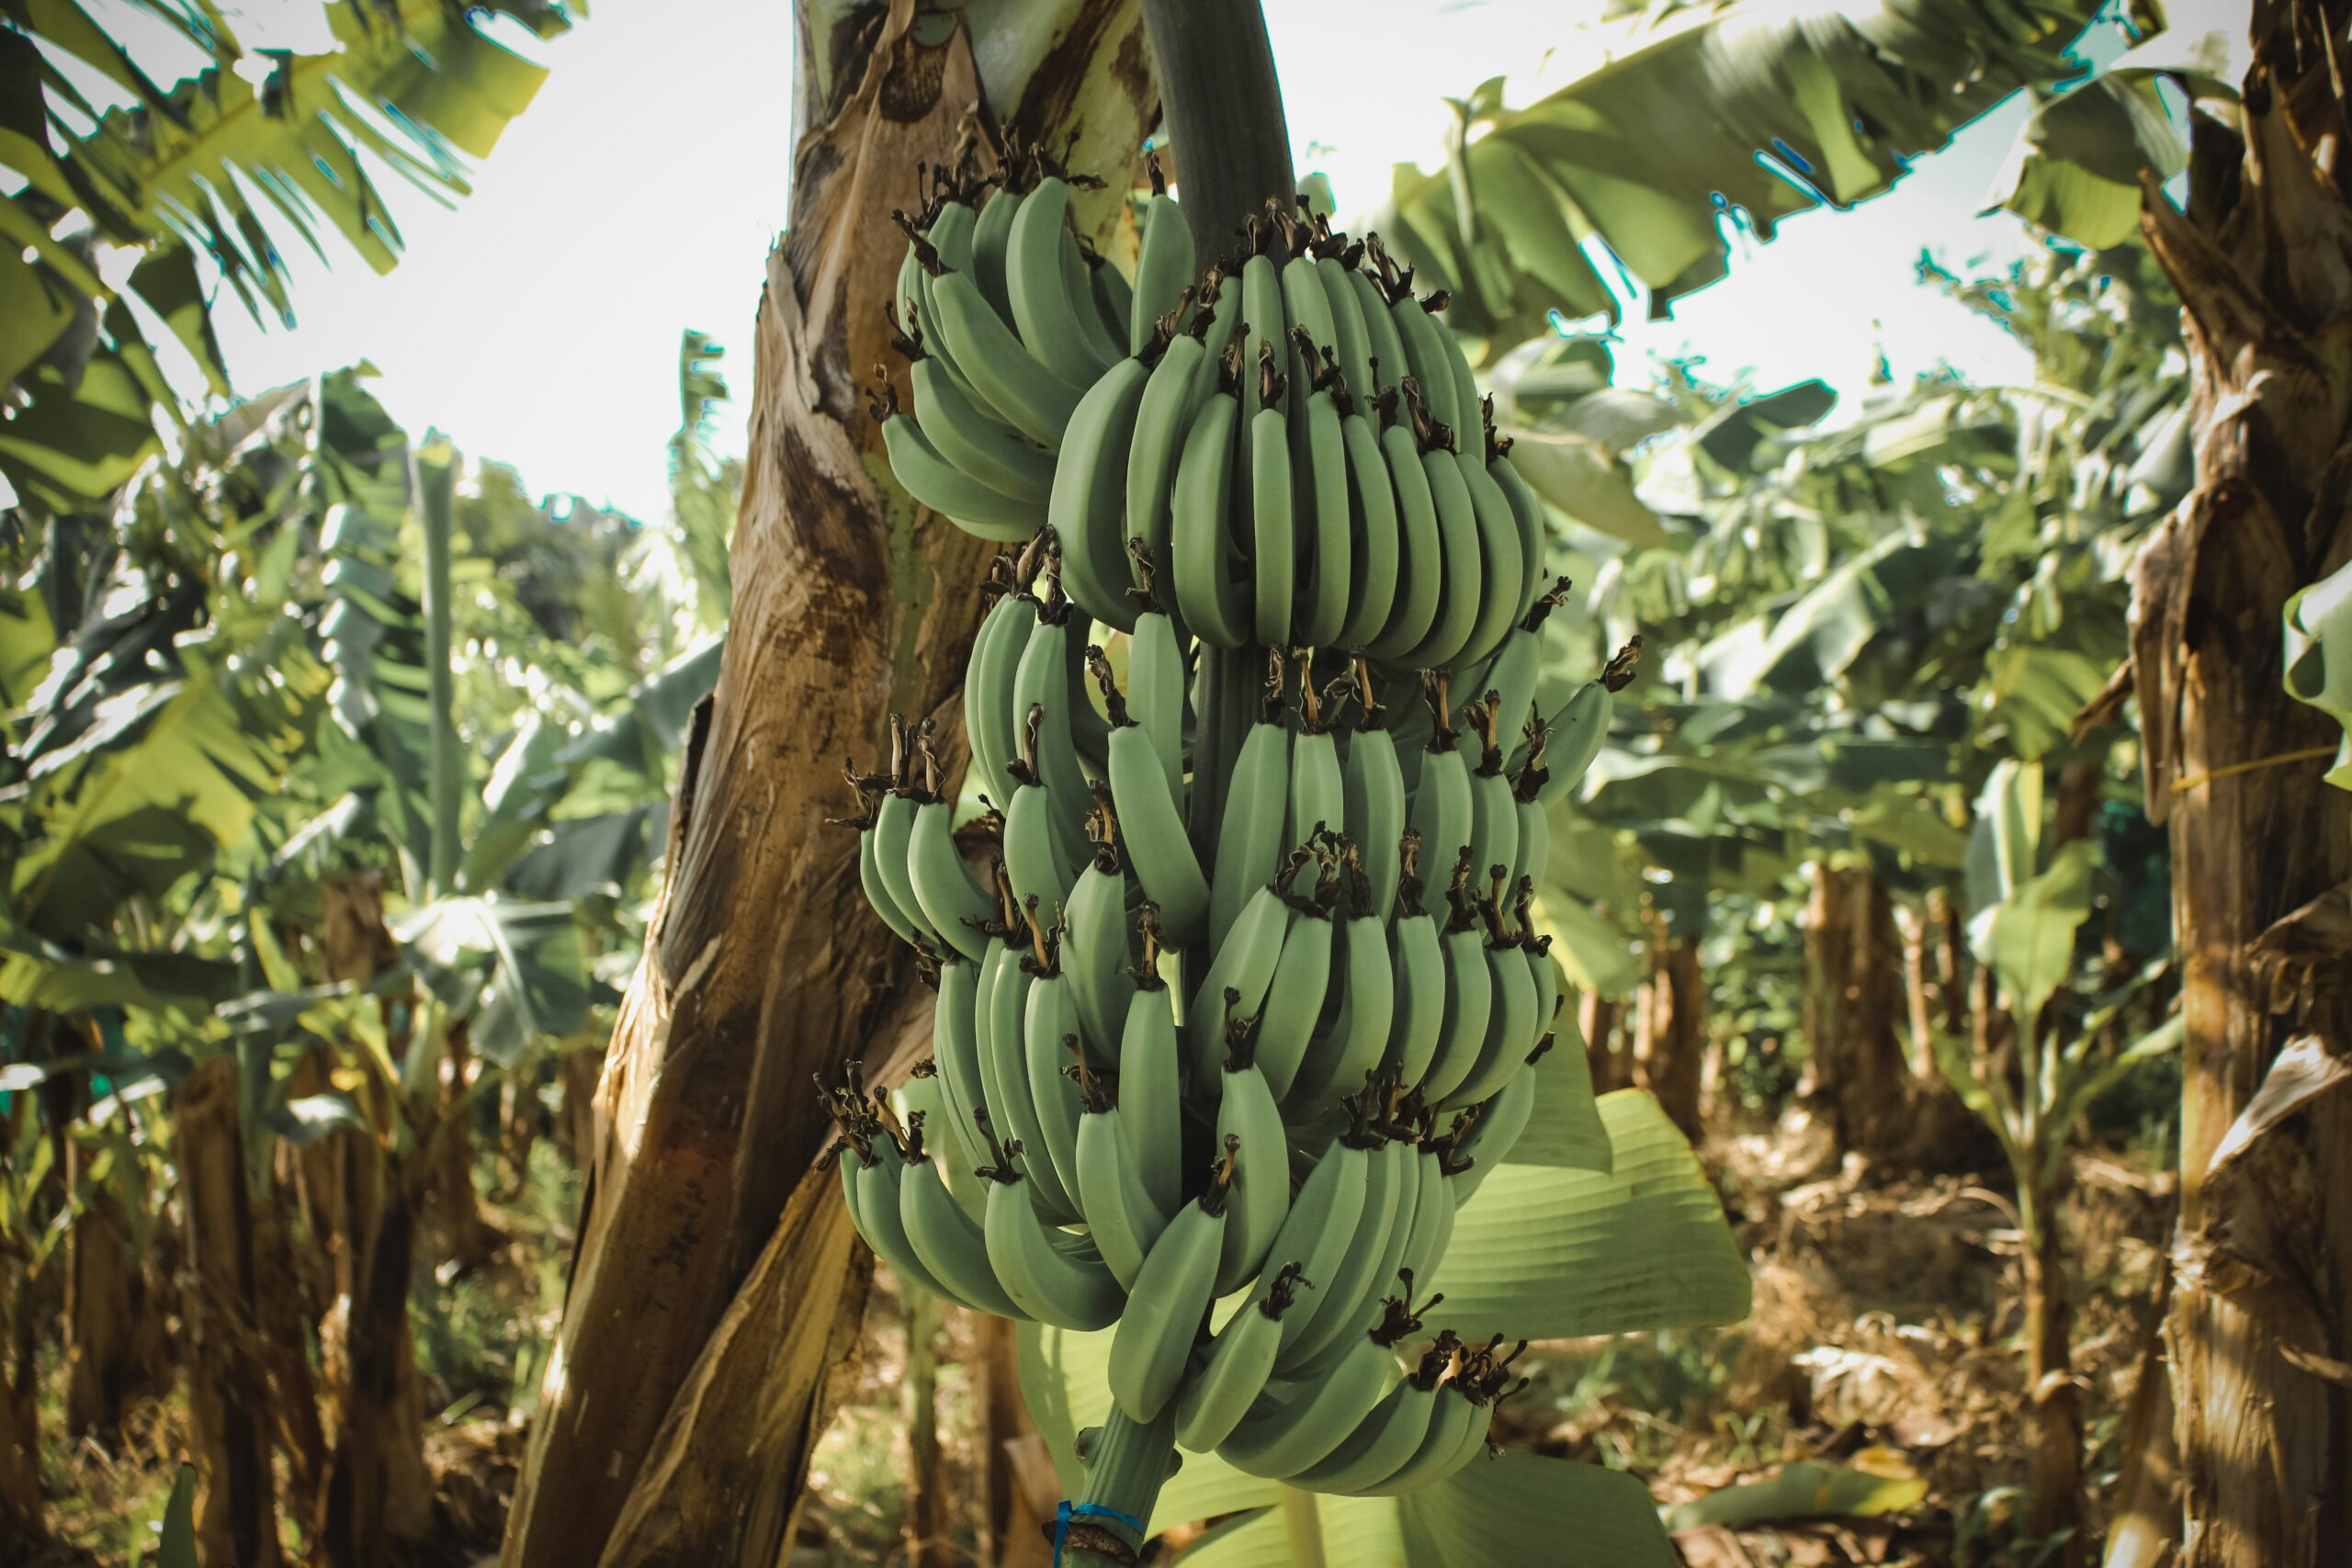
<point>1767,109</point>
<point>1493,1511</point>
<point>1546,1252</point>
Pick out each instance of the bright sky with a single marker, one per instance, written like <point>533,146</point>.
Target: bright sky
<point>537,323</point>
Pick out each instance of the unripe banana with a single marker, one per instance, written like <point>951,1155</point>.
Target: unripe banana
<point>1038,399</point>
<point>1150,1071</point>
<point>1247,1118</point>
<point>1276,1440</point>
<point>1212,601</point>
<point>1037,283</point>
<point>1240,1360</point>
<point>1170,1298</point>
<point>1088,505</point>
<point>1051,1274</point>
<point>1164,259</point>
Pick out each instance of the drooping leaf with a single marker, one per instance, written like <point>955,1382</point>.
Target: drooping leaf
<point>1580,477</point>
<point>1764,109</point>
<point>2319,657</point>
<point>1515,1507</point>
<point>2075,168</point>
<point>515,971</point>
<point>1554,1253</point>
<point>1806,1489</point>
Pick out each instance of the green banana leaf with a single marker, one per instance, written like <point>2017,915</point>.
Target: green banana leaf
<point>238,166</point>
<point>2028,936</point>
<point>175,1542</point>
<point>1546,1252</point>
<point>1516,1508</point>
<point>1768,109</point>
<point>2319,657</point>
<point>1565,1129</point>
<point>515,971</point>
<point>1805,1489</point>
<point>2075,168</point>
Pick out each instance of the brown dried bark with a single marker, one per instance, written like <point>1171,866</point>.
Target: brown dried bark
<point>1670,1030</point>
<point>2262,260</point>
<point>1855,1068</point>
<point>713,1264</point>
<point>235,1512</point>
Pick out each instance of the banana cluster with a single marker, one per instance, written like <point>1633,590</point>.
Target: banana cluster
<point>1239,996</point>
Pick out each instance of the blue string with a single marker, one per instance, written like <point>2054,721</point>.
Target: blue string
<point>1083,1510</point>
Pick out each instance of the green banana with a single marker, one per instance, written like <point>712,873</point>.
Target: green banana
<point>1387,1207</point>
<point>1375,542</point>
<point>1096,954</point>
<point>1469,993</point>
<point>1372,795</point>
<point>1250,841</point>
<point>1324,1221</point>
<point>1052,1276</point>
<point>954,904</point>
<point>1385,1438</point>
<point>1038,399</point>
<point>1171,1296</point>
<point>951,1246</point>
<point>1425,355</point>
<point>1421,562</point>
<point>1418,960</point>
<point>1302,979</point>
<point>1209,600</point>
<point>1325,510</point>
<point>1090,492</point>
<point>1384,357</point>
<point>1163,417</point>
<point>990,233</point>
<point>880,1224</point>
<point>1503,572</point>
<point>1164,258</point>
<point>1526,510</point>
<point>1576,731</point>
<point>1156,673</point>
<point>1240,1358</point>
<point>1494,806</point>
<point>1463,595</point>
<point>1004,1075</point>
<point>1339,1057</point>
<point>1038,284</point>
<point>894,826</point>
<point>1455,1422</point>
<point>1274,1441</point>
<point>1120,1213</point>
<point>1511,1025</point>
<point>989,718</point>
<point>1274,547</point>
<point>1264,335</point>
<point>1243,967</point>
<point>1317,797</point>
<point>1489,1140</point>
<point>1440,807</point>
<point>924,473</point>
<point>972,440</point>
<point>1347,339</point>
<point>1247,1119</point>
<point>1151,1071</point>
<point>1049,1042</point>
<point>955,1047</point>
<point>1041,688</point>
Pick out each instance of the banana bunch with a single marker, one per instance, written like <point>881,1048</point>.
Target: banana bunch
<point>1239,995</point>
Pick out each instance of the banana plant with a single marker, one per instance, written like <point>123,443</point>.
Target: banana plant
<point>2031,895</point>
<point>230,164</point>
<point>2319,657</point>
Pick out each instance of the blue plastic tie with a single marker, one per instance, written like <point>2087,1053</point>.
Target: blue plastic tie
<point>1083,1510</point>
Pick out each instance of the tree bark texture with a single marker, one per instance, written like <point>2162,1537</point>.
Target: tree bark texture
<point>101,1315</point>
<point>2054,1467</point>
<point>1854,998</point>
<point>714,1272</point>
<point>1670,1043</point>
<point>235,1514</point>
<point>1599,1016</point>
<point>2262,260</point>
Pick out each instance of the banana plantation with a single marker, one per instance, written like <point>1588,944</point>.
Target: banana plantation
<point>1229,880</point>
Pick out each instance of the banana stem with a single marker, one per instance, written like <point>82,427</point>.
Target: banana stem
<point>1129,1464</point>
<point>1224,104</point>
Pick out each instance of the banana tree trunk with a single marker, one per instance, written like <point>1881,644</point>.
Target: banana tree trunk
<point>1854,996</point>
<point>1611,1060</point>
<point>236,1496</point>
<point>101,1321</point>
<point>1670,1042</point>
<point>2261,847</point>
<point>21,1519</point>
<point>2054,1463</point>
<point>714,1283</point>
